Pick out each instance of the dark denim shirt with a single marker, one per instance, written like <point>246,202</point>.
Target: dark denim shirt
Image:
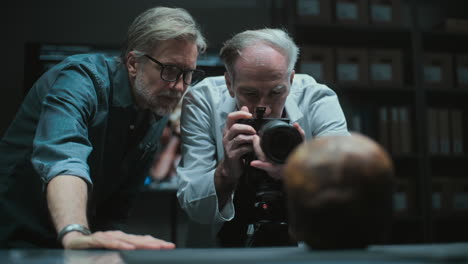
<point>78,119</point>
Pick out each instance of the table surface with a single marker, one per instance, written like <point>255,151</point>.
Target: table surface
<point>440,253</point>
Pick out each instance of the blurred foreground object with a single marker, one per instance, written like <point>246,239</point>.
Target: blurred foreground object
<point>340,192</point>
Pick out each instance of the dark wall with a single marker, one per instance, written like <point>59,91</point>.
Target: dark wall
<point>433,12</point>
<point>102,22</point>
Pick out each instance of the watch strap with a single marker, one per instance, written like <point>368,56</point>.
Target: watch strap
<point>70,228</point>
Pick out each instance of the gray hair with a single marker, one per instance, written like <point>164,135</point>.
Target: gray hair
<point>277,38</point>
<point>159,24</point>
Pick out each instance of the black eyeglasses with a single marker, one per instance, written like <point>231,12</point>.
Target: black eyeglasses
<point>172,73</point>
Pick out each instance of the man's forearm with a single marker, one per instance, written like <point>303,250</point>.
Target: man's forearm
<point>66,198</point>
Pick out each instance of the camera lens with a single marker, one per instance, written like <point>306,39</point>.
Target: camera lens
<point>278,139</point>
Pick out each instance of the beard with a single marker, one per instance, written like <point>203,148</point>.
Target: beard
<point>160,102</point>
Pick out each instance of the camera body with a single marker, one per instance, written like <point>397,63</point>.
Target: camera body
<point>278,138</point>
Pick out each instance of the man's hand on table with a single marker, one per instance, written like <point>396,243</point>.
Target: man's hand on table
<point>116,240</point>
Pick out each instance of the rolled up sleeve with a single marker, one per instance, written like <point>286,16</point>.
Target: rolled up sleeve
<point>61,144</point>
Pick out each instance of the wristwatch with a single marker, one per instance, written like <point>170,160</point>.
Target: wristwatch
<point>70,228</point>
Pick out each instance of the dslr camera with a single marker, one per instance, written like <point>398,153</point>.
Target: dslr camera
<point>278,138</point>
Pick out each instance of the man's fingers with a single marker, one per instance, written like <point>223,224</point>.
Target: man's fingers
<point>148,242</point>
<point>258,149</point>
<point>274,170</point>
<point>98,240</point>
<point>266,166</point>
<point>234,116</point>
<point>242,150</point>
<point>112,240</point>
<point>238,152</point>
<point>118,240</point>
<point>299,128</point>
<point>242,139</point>
<point>245,109</point>
<point>142,242</point>
<point>116,244</point>
<point>154,243</point>
<point>237,129</point>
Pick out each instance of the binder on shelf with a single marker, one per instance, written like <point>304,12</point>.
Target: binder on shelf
<point>459,195</point>
<point>363,120</point>
<point>433,131</point>
<point>314,10</point>
<point>436,196</point>
<point>405,130</point>
<point>318,62</point>
<point>395,138</point>
<point>356,123</point>
<point>455,25</point>
<point>351,66</point>
<point>440,195</point>
<point>437,70</point>
<point>351,11</point>
<point>385,67</point>
<point>462,70</point>
<point>444,135</point>
<point>456,125</point>
<point>384,11</point>
<point>402,199</point>
<point>384,138</point>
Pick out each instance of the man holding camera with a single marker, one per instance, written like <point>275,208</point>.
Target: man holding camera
<point>259,73</point>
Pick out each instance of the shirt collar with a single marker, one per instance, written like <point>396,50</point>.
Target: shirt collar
<point>229,105</point>
<point>122,93</point>
<point>292,110</point>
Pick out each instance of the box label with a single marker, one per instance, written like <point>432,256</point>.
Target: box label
<point>308,7</point>
<point>381,72</point>
<point>348,72</point>
<point>436,200</point>
<point>313,68</point>
<point>356,123</point>
<point>432,73</point>
<point>381,13</point>
<point>346,11</point>
<point>460,201</point>
<point>457,131</point>
<point>399,201</point>
<point>462,74</point>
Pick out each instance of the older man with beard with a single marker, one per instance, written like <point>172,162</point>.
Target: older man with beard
<point>82,141</point>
